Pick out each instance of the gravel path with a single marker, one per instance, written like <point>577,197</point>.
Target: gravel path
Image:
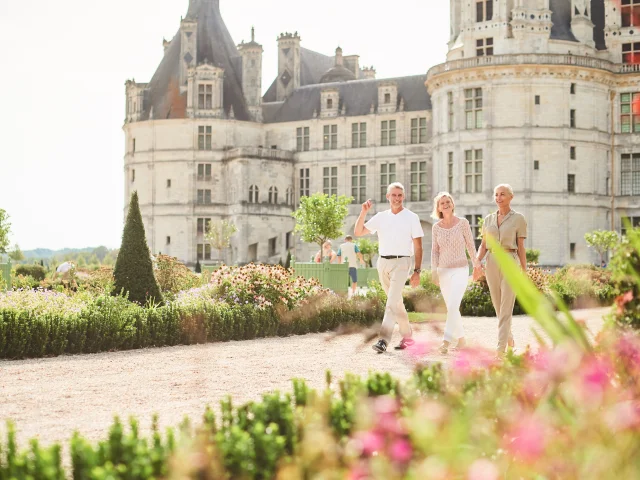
<point>50,398</point>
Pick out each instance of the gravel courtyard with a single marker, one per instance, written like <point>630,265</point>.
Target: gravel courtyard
<point>50,398</point>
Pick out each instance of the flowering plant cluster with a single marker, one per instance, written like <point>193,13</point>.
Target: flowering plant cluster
<point>264,286</point>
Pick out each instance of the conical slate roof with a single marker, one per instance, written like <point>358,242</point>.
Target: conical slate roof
<point>216,46</point>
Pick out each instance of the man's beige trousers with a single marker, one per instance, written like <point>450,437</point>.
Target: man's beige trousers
<point>393,275</point>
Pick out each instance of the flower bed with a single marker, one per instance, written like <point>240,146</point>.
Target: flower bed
<point>541,415</point>
<point>239,304</point>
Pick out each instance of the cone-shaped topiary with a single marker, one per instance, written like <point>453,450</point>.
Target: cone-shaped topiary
<point>198,266</point>
<point>134,271</point>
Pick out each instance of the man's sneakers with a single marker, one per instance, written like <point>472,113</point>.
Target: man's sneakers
<point>404,343</point>
<point>380,347</point>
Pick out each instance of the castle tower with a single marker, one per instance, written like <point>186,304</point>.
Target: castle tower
<point>251,54</point>
<point>289,64</point>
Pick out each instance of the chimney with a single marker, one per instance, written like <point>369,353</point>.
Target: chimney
<point>368,72</point>
<point>352,62</point>
<point>339,60</point>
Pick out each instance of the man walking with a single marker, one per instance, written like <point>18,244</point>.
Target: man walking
<point>399,236</point>
<point>349,251</point>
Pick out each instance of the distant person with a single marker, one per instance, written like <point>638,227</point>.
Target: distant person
<point>66,271</point>
<point>326,255</point>
<point>350,252</point>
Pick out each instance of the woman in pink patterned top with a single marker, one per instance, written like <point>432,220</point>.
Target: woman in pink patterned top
<point>451,235</point>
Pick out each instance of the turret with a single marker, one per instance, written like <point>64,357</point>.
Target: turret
<point>289,64</point>
<point>251,54</point>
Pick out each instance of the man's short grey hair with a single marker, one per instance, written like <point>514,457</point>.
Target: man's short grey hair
<point>504,185</point>
<point>395,185</point>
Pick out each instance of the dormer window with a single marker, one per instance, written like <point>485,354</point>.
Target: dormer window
<point>387,98</point>
<point>330,103</point>
<point>484,10</point>
<point>205,96</point>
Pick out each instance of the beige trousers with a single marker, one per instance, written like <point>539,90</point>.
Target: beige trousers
<point>393,275</point>
<point>503,299</point>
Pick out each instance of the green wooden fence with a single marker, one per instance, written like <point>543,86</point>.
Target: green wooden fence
<point>5,273</point>
<point>333,276</point>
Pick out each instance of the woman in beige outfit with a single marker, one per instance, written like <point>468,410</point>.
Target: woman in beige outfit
<point>509,228</point>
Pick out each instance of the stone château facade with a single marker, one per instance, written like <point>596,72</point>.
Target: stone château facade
<point>536,93</point>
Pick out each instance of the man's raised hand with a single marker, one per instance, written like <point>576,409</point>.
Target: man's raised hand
<point>366,206</point>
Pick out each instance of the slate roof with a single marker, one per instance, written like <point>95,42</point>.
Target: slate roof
<point>217,47</point>
<point>561,18</point>
<point>356,96</point>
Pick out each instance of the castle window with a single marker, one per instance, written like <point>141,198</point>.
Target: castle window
<point>358,135</point>
<point>204,197</point>
<point>387,177</point>
<point>450,172</point>
<point>329,103</point>
<point>304,182</point>
<point>474,223</point>
<point>419,130</point>
<point>204,225</point>
<point>253,194</point>
<point>204,138</point>
<point>204,251</point>
<point>536,165</point>
<point>473,171</point>
<point>630,174</point>
<point>205,96</point>
<point>449,113</point>
<point>288,240</point>
<point>289,196</point>
<point>273,195</point>
<point>330,137</point>
<point>418,184</point>
<point>168,183</point>
<point>572,153</point>
<point>388,132</point>
<point>537,100</point>
<point>572,251</point>
<point>630,10</point>
<point>630,112</point>
<point>484,46</point>
<point>359,183</point>
<point>573,89</point>
<point>302,139</point>
<point>571,183</point>
<point>484,10</point>
<point>133,175</point>
<point>572,118</point>
<point>387,98</point>
<point>330,180</point>
<point>631,52</point>
<point>473,108</point>
<point>631,222</point>
<point>168,240</point>
<point>134,146</point>
<point>273,243</point>
<point>204,172</point>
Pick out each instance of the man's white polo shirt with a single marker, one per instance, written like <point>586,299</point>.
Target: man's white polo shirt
<point>395,232</point>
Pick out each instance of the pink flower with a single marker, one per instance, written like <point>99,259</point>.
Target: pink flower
<point>420,348</point>
<point>372,442</point>
<point>401,451</point>
<point>596,376</point>
<point>483,470</point>
<point>472,359</point>
<point>526,439</point>
<point>358,472</point>
<point>623,416</point>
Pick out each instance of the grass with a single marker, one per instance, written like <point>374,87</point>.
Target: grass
<point>421,317</point>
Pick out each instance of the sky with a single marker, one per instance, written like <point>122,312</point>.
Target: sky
<point>62,90</point>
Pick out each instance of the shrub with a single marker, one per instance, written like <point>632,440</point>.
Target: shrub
<point>173,276</point>
<point>133,272</point>
<point>37,272</point>
<point>533,255</point>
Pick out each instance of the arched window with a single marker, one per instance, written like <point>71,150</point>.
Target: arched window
<point>253,194</point>
<point>290,196</point>
<point>273,195</point>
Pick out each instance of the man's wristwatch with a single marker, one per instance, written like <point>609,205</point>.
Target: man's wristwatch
<point>417,270</point>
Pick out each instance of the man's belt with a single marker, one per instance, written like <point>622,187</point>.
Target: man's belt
<point>390,257</point>
<point>512,250</point>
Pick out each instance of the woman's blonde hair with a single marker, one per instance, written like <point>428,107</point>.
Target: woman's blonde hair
<point>508,187</point>
<point>436,214</point>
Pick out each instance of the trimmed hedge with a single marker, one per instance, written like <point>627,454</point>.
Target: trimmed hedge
<point>114,323</point>
<point>36,271</point>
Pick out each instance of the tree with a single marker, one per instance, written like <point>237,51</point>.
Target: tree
<point>133,272</point>
<point>5,229</point>
<point>219,235</point>
<point>16,254</point>
<point>368,248</point>
<point>602,241</point>
<point>100,252</point>
<point>198,266</point>
<point>320,217</point>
